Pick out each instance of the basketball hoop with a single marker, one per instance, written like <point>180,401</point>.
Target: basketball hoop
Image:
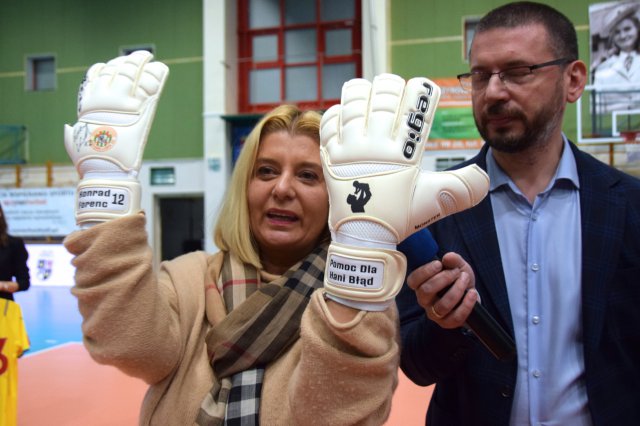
<point>631,147</point>
<point>629,136</point>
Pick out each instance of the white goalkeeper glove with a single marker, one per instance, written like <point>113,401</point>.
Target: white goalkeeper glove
<point>116,105</point>
<point>371,148</point>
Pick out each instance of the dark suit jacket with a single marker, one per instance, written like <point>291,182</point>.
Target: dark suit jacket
<point>472,387</point>
<point>13,264</point>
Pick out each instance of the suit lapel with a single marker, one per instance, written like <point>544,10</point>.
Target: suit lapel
<point>478,232</point>
<point>602,216</point>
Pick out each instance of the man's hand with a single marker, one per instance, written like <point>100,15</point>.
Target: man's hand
<point>371,148</point>
<point>116,106</point>
<point>434,278</point>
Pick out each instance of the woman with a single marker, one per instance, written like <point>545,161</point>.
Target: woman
<point>280,353</point>
<point>622,67</point>
<point>14,272</point>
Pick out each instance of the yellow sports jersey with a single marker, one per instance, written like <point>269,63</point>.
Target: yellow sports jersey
<point>13,342</point>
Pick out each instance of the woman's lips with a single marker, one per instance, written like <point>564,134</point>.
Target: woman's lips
<point>281,216</point>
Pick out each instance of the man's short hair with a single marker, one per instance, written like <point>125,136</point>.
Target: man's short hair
<point>561,31</point>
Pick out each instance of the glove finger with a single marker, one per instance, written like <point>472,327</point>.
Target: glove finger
<point>330,126</point>
<point>152,79</point>
<point>355,102</point>
<point>139,57</point>
<point>128,71</point>
<point>99,84</point>
<point>138,62</point>
<point>87,85</point>
<point>419,102</point>
<point>123,84</point>
<point>386,94</point>
<point>94,71</point>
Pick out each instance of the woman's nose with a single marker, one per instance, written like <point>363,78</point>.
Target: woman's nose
<point>283,187</point>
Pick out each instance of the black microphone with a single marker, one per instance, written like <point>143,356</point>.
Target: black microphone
<point>421,248</point>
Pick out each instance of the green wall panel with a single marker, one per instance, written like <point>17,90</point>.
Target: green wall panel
<point>426,37</point>
<point>80,33</point>
<point>415,60</point>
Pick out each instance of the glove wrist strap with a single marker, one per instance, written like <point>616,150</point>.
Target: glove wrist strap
<point>370,275</point>
<point>100,200</point>
<point>362,306</point>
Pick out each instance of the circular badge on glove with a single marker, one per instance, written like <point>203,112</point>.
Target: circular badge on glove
<point>103,138</point>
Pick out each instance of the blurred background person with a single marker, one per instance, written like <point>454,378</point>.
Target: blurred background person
<point>621,68</point>
<point>14,272</point>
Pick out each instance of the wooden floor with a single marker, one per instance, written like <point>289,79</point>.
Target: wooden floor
<point>63,386</point>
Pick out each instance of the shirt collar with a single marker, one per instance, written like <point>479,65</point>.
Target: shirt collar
<point>567,169</point>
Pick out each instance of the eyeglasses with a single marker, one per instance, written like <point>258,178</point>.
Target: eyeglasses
<point>516,76</point>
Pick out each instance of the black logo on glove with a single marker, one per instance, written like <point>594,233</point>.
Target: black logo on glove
<point>415,121</point>
<point>361,197</point>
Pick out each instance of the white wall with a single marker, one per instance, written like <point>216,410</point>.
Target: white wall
<point>375,36</point>
<point>220,94</point>
<point>189,182</point>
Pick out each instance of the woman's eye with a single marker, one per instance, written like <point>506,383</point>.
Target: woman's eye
<point>265,171</point>
<point>308,175</point>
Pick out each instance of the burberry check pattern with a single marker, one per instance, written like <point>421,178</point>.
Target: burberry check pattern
<point>263,320</point>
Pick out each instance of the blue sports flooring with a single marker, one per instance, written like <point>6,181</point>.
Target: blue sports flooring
<point>51,316</point>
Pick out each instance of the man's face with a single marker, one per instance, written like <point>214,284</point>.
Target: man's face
<point>514,117</point>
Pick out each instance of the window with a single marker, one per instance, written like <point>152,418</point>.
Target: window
<point>41,73</point>
<point>469,25</point>
<point>124,51</point>
<point>163,176</point>
<point>298,51</point>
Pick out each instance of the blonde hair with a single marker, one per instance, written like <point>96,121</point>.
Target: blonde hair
<point>233,231</point>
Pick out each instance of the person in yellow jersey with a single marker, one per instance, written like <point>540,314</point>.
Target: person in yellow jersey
<point>13,343</point>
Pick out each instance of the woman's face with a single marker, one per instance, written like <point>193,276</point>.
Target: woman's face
<point>287,197</point>
<point>625,35</point>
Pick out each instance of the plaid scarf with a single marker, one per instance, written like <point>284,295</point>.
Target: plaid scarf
<point>263,320</point>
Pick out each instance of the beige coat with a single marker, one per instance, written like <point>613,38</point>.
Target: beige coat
<point>153,326</point>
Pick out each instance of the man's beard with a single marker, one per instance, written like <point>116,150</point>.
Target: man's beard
<point>537,130</point>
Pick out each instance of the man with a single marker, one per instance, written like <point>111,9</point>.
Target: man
<point>554,248</point>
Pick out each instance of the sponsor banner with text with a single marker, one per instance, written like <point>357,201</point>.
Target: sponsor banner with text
<point>453,127</point>
<point>39,212</point>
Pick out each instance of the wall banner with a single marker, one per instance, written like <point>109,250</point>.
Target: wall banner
<point>39,212</point>
<point>453,126</point>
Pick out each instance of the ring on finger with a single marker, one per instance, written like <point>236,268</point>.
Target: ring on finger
<point>435,313</point>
